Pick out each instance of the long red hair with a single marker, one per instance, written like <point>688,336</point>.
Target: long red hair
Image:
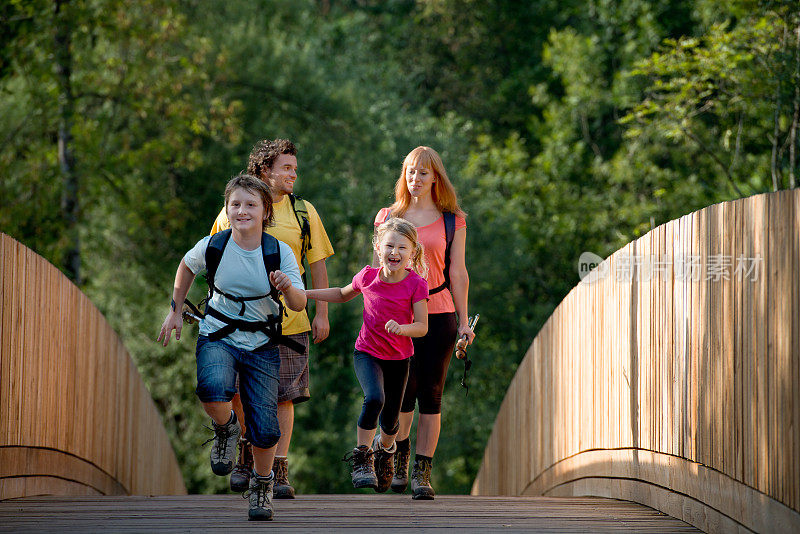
<point>443,192</point>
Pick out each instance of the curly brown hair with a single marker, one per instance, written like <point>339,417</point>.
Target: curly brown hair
<point>264,154</point>
<point>253,185</point>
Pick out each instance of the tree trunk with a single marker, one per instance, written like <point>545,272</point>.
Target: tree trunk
<point>66,161</point>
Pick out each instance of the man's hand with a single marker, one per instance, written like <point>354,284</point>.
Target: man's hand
<point>320,328</point>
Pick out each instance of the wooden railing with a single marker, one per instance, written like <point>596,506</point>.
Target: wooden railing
<point>75,416</point>
<point>670,377</point>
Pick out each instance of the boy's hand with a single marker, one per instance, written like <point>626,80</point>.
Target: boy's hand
<point>280,280</point>
<point>393,327</point>
<point>173,321</point>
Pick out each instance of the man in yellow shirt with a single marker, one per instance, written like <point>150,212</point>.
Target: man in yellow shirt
<point>297,224</point>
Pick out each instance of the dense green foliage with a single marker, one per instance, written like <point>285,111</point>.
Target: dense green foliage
<point>566,126</point>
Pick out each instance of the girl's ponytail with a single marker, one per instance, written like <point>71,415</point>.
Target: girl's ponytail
<point>418,262</point>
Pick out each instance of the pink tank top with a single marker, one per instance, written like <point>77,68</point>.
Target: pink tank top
<point>434,240</point>
<point>384,301</point>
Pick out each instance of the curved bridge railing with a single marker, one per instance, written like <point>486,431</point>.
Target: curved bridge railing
<point>670,377</point>
<point>75,416</point>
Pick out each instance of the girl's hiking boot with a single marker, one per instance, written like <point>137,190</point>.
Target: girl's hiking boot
<point>259,495</point>
<point>384,464</point>
<point>240,477</point>
<point>421,480</point>
<point>282,488</point>
<point>223,450</point>
<point>400,479</point>
<point>363,469</point>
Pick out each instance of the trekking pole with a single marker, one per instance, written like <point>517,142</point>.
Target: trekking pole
<point>190,313</point>
<point>461,351</point>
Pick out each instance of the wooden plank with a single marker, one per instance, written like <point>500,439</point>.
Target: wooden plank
<point>326,513</point>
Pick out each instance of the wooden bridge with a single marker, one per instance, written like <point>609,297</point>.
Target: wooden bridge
<point>326,513</point>
<point>655,399</point>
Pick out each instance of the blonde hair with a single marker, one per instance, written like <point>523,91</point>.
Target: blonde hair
<point>443,193</point>
<point>407,230</point>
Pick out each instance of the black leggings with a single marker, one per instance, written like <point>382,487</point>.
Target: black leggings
<point>383,382</point>
<point>429,364</point>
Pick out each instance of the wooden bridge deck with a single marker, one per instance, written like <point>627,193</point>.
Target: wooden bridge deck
<point>326,513</point>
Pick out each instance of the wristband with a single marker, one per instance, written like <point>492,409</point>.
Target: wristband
<point>172,303</point>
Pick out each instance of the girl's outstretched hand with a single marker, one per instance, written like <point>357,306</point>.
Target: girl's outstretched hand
<point>280,280</point>
<point>393,327</point>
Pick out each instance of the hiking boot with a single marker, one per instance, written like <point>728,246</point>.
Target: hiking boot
<point>223,450</point>
<point>400,479</point>
<point>384,464</point>
<point>363,474</point>
<point>421,480</point>
<point>282,489</point>
<point>240,477</point>
<point>260,496</point>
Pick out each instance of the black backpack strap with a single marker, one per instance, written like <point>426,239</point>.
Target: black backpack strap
<point>449,234</point>
<point>271,251</point>
<point>216,246</point>
<point>270,327</point>
<point>301,214</point>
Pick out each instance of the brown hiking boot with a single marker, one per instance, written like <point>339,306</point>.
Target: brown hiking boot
<point>282,488</point>
<point>240,477</point>
<point>421,480</point>
<point>384,464</point>
<point>400,479</point>
<point>363,474</point>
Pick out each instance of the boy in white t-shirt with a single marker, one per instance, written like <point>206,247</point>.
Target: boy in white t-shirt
<point>240,330</point>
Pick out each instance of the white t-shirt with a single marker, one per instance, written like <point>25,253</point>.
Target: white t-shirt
<point>242,273</point>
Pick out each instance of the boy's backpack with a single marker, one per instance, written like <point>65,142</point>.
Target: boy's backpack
<point>270,250</point>
<point>449,233</point>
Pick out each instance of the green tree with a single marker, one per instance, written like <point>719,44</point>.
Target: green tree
<point>731,96</point>
<point>130,103</point>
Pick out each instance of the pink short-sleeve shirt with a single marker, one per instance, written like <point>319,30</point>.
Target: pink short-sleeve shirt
<point>434,241</point>
<point>384,301</point>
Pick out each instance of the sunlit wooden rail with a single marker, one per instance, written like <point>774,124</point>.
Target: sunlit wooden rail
<point>675,384</point>
<point>75,416</point>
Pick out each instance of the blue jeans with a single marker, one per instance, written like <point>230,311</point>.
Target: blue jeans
<point>217,365</point>
<point>382,382</point>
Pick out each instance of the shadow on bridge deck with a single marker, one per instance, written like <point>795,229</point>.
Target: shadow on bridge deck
<point>325,513</point>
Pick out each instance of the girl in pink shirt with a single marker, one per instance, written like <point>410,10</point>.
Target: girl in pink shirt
<point>395,310</point>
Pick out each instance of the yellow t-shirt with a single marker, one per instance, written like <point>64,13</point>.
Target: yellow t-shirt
<point>286,228</point>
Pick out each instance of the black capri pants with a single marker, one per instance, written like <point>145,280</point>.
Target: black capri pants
<point>429,363</point>
<point>382,382</point>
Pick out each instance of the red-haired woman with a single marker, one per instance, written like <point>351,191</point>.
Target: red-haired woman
<point>423,196</point>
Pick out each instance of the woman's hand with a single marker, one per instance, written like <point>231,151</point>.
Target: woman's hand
<point>465,330</point>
